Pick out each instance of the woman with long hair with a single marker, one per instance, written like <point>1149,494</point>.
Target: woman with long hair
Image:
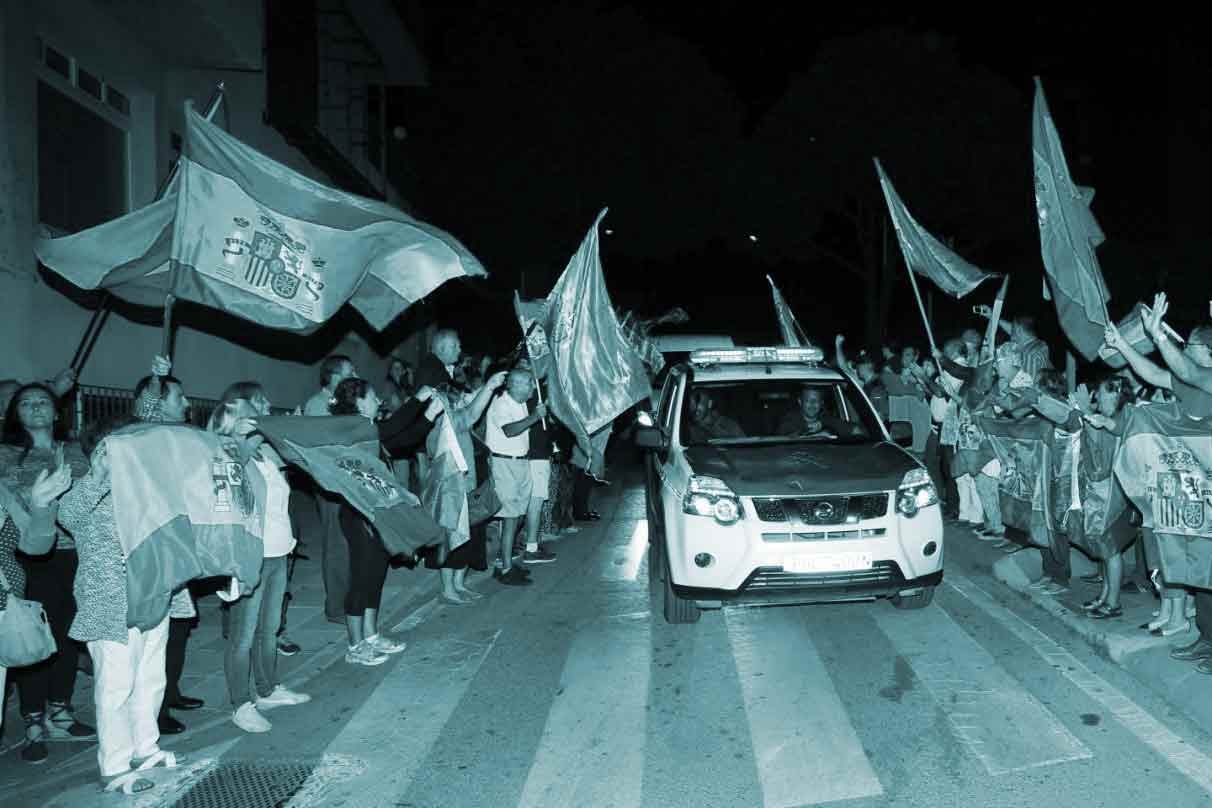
<point>252,645</point>
<point>32,444</point>
<point>368,558</point>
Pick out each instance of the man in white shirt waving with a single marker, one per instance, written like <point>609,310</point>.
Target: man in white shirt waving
<point>507,434</point>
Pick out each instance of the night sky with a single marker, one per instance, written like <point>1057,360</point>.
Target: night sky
<point>701,125</point>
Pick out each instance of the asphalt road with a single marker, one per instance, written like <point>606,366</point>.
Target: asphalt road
<point>574,692</point>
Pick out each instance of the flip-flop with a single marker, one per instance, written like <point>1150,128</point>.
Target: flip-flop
<point>470,593</point>
<point>449,601</point>
<point>129,783</point>
<point>159,758</point>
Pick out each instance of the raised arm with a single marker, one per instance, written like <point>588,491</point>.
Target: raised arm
<point>466,417</point>
<point>1178,362</point>
<point>1149,372</point>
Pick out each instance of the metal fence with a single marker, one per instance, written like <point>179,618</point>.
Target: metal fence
<point>89,405</point>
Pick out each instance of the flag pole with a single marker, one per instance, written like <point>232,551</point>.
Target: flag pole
<point>995,318</point>
<point>921,307</point>
<point>538,388</point>
<point>101,314</point>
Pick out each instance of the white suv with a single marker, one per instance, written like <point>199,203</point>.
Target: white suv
<point>771,479</point>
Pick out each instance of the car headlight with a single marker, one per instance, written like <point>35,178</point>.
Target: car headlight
<point>916,491</point>
<point>708,496</point>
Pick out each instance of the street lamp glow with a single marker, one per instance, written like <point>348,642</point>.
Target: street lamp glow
<point>753,238</point>
<point>608,231</point>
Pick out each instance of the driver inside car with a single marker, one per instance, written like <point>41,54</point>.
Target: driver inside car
<point>810,418</point>
<point>706,422</point>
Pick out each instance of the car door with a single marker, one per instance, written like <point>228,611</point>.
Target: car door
<point>656,460</point>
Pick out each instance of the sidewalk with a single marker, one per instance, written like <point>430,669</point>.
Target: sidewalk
<point>322,643</point>
<point>1119,639</point>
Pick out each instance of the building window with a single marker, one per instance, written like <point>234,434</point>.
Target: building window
<point>82,164</point>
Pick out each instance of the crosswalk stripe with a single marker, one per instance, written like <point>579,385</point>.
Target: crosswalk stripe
<point>388,750</point>
<point>990,713</point>
<point>1157,736</point>
<point>592,749</point>
<point>621,561</point>
<point>806,749</point>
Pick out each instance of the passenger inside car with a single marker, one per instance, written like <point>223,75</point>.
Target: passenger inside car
<point>812,418</point>
<point>706,422</point>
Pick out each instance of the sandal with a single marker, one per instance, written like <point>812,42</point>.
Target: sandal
<point>158,758</point>
<point>1105,612</point>
<point>470,594</point>
<point>1093,605</point>
<point>128,782</point>
<point>452,601</point>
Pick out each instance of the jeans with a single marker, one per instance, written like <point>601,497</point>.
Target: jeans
<point>127,692</point>
<point>49,580</point>
<point>991,501</point>
<point>254,635</point>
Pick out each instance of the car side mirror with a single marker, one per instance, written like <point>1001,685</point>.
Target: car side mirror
<point>901,433</point>
<point>649,437</point>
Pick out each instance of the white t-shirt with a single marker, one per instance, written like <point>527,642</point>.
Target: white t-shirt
<point>505,410</point>
<point>279,539</point>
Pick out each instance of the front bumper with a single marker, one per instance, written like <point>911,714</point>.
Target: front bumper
<point>774,586</point>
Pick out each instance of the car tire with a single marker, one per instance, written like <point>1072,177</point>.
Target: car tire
<point>677,609</point>
<point>656,549</point>
<point>918,601</point>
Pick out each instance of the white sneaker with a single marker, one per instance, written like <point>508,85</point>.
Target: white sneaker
<point>281,697</point>
<point>249,719</point>
<point>384,645</point>
<point>363,654</point>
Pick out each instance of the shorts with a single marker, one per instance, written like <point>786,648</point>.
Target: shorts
<point>511,479</point>
<point>540,479</point>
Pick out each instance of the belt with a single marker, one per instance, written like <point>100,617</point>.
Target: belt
<point>509,457</point>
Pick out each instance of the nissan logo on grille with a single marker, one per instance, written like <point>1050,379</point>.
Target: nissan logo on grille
<point>823,511</point>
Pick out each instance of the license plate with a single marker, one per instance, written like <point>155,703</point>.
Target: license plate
<point>827,562</point>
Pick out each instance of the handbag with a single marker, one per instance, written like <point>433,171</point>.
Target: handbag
<point>483,503</point>
<point>25,634</point>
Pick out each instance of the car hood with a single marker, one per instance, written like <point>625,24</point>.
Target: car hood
<point>796,469</point>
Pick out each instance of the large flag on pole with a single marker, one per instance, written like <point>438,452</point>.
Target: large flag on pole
<point>341,453</point>
<point>239,232</point>
<point>789,327</point>
<point>1163,466</point>
<point>1068,235</point>
<point>924,254</point>
<point>185,508</point>
<point>595,374</point>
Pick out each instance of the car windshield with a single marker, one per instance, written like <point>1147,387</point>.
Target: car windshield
<point>763,411</point>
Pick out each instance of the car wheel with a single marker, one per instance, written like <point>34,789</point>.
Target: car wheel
<point>919,600</point>
<point>677,609</point>
<point>656,549</point>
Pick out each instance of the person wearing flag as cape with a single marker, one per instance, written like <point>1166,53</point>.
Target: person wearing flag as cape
<point>1188,374</point>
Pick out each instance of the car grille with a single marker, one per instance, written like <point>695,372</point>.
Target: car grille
<point>821,510</point>
<point>826,535</point>
<point>768,578</point>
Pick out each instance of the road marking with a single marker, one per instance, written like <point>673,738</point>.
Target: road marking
<point>390,736</point>
<point>620,561</point>
<point>805,747</point>
<point>592,749</point>
<point>1184,757</point>
<point>991,714</point>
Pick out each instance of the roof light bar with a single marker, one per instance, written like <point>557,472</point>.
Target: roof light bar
<point>756,355</point>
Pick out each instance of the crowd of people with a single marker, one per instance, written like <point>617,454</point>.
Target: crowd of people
<point>446,428</point>
<point>968,391</point>
<point>443,427</point>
